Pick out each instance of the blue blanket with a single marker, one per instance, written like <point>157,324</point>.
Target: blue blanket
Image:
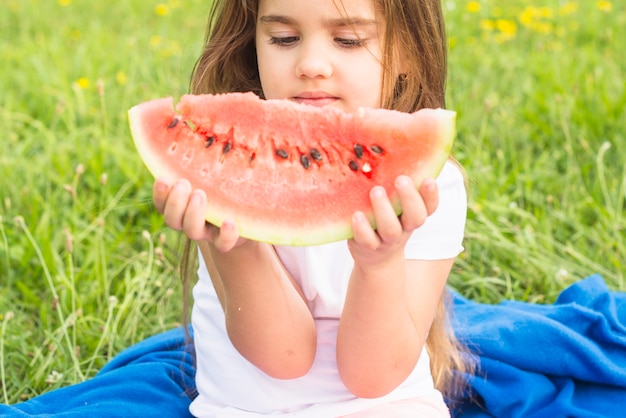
<point>562,360</point>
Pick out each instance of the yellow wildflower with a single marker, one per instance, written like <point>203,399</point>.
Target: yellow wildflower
<point>64,2</point>
<point>568,8</point>
<point>473,7</point>
<point>155,41</point>
<point>536,18</point>
<point>605,6</point>
<point>542,27</point>
<point>171,49</point>
<point>546,12</point>
<point>487,24</point>
<point>121,78</point>
<point>83,82</point>
<point>531,13</point>
<point>507,27</point>
<point>527,16</point>
<point>162,9</point>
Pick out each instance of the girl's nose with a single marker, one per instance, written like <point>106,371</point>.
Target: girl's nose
<point>314,61</point>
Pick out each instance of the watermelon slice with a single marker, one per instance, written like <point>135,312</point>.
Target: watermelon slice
<point>288,173</point>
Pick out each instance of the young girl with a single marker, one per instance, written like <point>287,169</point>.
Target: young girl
<point>338,329</point>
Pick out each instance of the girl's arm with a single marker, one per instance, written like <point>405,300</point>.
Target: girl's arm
<point>391,302</point>
<point>267,318</point>
<point>385,322</point>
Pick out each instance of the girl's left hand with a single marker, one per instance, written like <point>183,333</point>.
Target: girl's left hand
<point>372,246</point>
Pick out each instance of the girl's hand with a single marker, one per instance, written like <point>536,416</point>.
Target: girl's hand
<point>370,247</point>
<point>184,210</point>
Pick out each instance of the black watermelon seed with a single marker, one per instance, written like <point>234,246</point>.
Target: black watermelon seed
<point>304,160</point>
<point>209,141</point>
<point>227,147</point>
<point>315,154</point>
<point>282,153</point>
<point>376,149</point>
<point>353,165</point>
<point>358,150</point>
<point>173,123</point>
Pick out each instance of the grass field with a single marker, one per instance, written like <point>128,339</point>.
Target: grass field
<point>87,266</point>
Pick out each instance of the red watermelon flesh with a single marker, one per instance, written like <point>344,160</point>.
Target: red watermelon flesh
<point>288,173</point>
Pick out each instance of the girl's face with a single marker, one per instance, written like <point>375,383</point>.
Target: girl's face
<point>310,52</point>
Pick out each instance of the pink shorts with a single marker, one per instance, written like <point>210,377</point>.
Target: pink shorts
<point>423,407</point>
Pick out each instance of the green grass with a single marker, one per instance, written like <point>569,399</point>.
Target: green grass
<point>541,120</point>
<point>88,268</point>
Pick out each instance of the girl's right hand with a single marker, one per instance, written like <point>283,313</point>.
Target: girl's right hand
<point>184,210</point>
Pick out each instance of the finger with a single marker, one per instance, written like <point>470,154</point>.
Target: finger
<point>194,219</point>
<point>387,223</point>
<point>160,191</point>
<point>430,195</point>
<point>227,237</point>
<point>363,233</point>
<point>176,204</point>
<point>413,207</point>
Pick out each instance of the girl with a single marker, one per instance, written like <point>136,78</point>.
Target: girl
<point>338,329</point>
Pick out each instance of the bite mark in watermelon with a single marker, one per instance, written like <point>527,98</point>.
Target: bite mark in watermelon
<point>288,173</point>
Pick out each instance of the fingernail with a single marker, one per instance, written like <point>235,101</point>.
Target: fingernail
<point>403,181</point>
<point>182,183</point>
<point>162,185</point>
<point>378,191</point>
<point>358,217</point>
<point>196,196</point>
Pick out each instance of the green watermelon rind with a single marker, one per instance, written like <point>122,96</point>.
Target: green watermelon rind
<point>274,234</point>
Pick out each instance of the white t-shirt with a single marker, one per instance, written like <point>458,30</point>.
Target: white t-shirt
<point>230,386</point>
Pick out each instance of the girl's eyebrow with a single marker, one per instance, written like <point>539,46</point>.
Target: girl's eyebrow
<point>276,19</point>
<point>339,22</point>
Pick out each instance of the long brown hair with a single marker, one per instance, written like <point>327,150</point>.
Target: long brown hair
<point>415,47</point>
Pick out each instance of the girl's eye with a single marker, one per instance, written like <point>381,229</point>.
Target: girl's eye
<point>350,42</point>
<point>283,40</point>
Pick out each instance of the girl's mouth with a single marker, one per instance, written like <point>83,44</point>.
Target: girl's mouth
<point>315,98</point>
